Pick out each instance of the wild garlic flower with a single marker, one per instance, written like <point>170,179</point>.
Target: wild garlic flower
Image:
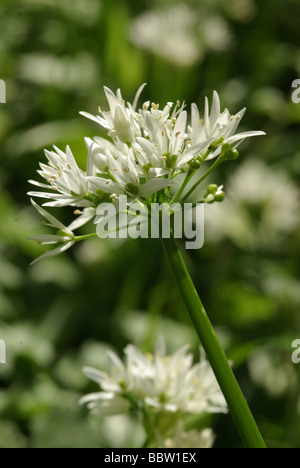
<point>156,383</point>
<point>64,236</point>
<point>67,184</point>
<point>119,120</point>
<point>150,149</point>
<point>216,126</point>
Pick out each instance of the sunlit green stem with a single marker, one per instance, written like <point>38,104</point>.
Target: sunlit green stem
<point>185,182</point>
<point>212,168</point>
<point>238,407</point>
<point>87,236</point>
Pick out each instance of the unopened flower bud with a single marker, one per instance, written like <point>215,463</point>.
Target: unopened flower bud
<point>122,125</point>
<point>214,193</point>
<point>228,153</point>
<point>216,144</point>
<point>220,196</point>
<point>212,188</point>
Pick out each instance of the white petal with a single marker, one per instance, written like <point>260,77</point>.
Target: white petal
<point>215,110</point>
<point>93,374</point>
<point>96,119</point>
<point>206,117</point>
<point>115,361</point>
<point>54,222</point>
<point>122,125</point>
<point>242,136</point>
<point>113,101</point>
<point>66,202</point>
<point>39,184</point>
<point>95,397</point>
<point>106,185</point>
<point>154,185</point>
<point>196,125</point>
<point>86,216</point>
<point>137,96</point>
<point>48,239</point>
<point>53,195</point>
<point>237,139</point>
<point>53,253</point>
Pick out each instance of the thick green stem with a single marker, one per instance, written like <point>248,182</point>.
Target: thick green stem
<point>238,407</point>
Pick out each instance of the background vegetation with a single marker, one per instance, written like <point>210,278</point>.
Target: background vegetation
<point>59,315</point>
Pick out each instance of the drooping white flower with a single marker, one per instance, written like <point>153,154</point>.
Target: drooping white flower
<point>190,439</point>
<point>66,183</point>
<point>64,236</point>
<point>159,383</point>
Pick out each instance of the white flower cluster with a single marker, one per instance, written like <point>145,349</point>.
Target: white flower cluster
<point>162,387</point>
<point>147,150</point>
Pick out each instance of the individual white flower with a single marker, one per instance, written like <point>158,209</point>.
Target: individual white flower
<point>65,236</point>
<point>66,183</point>
<point>119,120</point>
<point>191,439</point>
<point>169,32</point>
<point>159,383</point>
<point>262,207</point>
<point>217,125</point>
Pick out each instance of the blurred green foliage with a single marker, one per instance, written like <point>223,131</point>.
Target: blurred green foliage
<point>60,315</point>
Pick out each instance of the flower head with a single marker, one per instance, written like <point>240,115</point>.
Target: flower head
<point>158,383</point>
<point>149,150</point>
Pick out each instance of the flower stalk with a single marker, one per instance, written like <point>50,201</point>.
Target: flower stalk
<point>238,407</point>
